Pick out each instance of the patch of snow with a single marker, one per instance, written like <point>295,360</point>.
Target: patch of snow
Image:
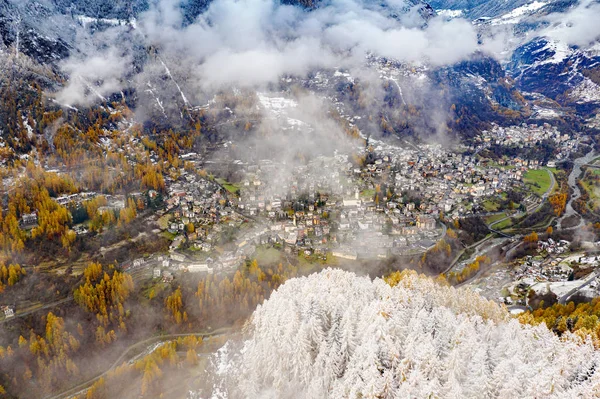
<point>338,74</point>
<point>545,113</point>
<point>85,20</point>
<point>152,91</point>
<point>517,14</point>
<point>277,105</point>
<point>450,13</point>
<point>91,88</point>
<point>561,51</point>
<point>586,92</point>
<point>29,128</point>
<point>65,105</point>
<point>185,100</point>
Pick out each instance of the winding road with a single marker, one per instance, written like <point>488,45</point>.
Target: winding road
<point>490,227</point>
<point>590,279</point>
<point>124,357</point>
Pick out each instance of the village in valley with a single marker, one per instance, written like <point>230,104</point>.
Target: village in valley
<point>209,226</point>
<point>235,198</point>
<point>375,201</point>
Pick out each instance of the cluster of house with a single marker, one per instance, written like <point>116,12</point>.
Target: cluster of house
<point>114,202</point>
<point>523,134</point>
<point>555,274</point>
<point>552,246</point>
<point>443,180</point>
<point>164,266</point>
<point>329,203</point>
<point>540,270</point>
<point>528,135</point>
<point>201,203</point>
<point>548,266</point>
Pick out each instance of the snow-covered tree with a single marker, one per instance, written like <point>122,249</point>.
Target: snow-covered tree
<point>336,335</point>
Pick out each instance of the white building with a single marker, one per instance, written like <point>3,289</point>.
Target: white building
<point>8,312</point>
<point>199,268</point>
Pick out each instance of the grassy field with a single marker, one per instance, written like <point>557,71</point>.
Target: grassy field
<point>267,256</point>
<point>494,218</point>
<point>490,205</point>
<point>504,167</point>
<point>163,221</point>
<point>370,194</point>
<point>168,235</point>
<point>538,180</point>
<point>503,225</point>
<point>588,185</point>
<point>232,188</point>
<point>313,263</point>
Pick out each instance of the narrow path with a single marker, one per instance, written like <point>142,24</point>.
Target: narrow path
<point>28,312</point>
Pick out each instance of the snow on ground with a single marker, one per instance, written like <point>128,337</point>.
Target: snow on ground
<point>517,14</point>
<point>152,91</point>
<point>344,74</point>
<point>561,51</point>
<point>450,13</point>
<point>336,335</point>
<point>279,108</point>
<point>559,288</point>
<point>586,92</point>
<point>168,72</point>
<point>277,105</point>
<point>85,20</point>
<point>546,113</point>
<point>29,128</point>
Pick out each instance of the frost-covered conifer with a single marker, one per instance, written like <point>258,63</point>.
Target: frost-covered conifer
<point>336,335</point>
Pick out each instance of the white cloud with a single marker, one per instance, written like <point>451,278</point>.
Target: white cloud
<point>254,42</point>
<point>579,26</point>
<point>93,77</point>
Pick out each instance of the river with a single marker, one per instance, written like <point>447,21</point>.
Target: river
<point>572,181</point>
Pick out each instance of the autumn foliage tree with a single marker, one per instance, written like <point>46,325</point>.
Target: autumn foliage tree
<point>44,360</point>
<point>147,375</point>
<point>10,275</point>
<point>469,270</point>
<point>558,202</point>
<point>174,305</point>
<point>582,319</point>
<point>104,293</point>
<point>531,239</point>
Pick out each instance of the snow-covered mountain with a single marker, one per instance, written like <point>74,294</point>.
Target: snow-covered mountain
<point>554,46</point>
<point>558,71</point>
<point>561,57</point>
<point>501,12</point>
<point>525,56</point>
<point>474,9</point>
<point>336,335</point>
